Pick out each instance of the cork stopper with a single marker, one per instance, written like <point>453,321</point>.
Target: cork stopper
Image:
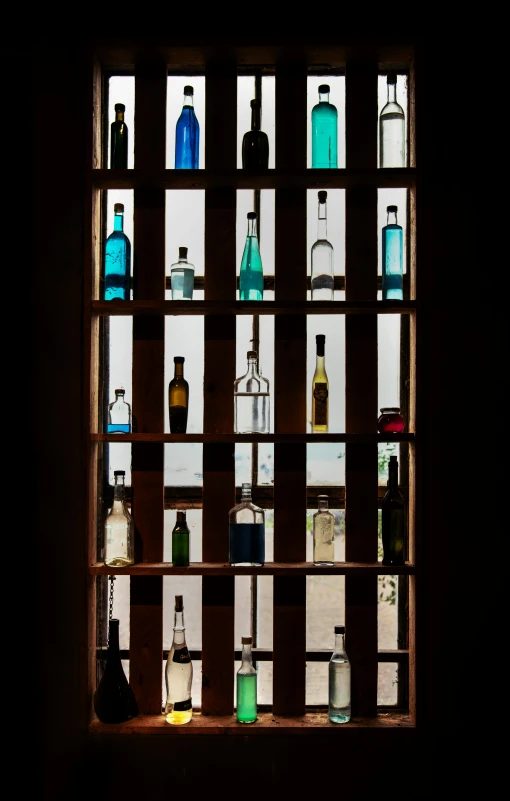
<point>246,640</point>
<point>183,253</point>
<point>178,603</point>
<point>118,208</point>
<point>322,196</point>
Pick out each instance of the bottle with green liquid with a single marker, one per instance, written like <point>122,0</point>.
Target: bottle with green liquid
<point>251,276</point>
<point>180,541</point>
<point>246,696</point>
<point>324,132</point>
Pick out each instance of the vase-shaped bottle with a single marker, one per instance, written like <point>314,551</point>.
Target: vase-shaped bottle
<point>251,275</point>
<point>114,699</point>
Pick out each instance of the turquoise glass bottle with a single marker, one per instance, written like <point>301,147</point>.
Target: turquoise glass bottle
<point>117,266</point>
<point>324,132</point>
<point>187,134</point>
<point>251,276</point>
<point>392,259</point>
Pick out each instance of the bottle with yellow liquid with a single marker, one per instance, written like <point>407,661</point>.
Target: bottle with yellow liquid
<point>178,673</point>
<point>320,390</point>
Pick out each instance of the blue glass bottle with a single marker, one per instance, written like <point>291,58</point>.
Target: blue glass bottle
<point>117,267</point>
<point>246,525</point>
<point>187,135</point>
<point>324,132</point>
<point>392,259</point>
<point>251,275</point>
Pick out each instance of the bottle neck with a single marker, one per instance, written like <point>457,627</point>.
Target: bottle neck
<point>113,638</point>
<point>118,222</point>
<point>246,494</point>
<point>179,630</point>
<point>323,505</point>
<point>118,491</point>
<point>339,642</point>
<point>323,97</point>
<point>392,218</point>
<point>252,366</point>
<point>255,117</point>
<point>252,227</point>
<point>119,397</point>
<point>322,222</point>
<point>179,370</point>
<point>246,654</point>
<point>188,100</point>
<point>119,116</point>
<point>393,475</point>
<point>392,92</point>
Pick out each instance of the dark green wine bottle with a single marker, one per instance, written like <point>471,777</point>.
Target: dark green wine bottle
<point>393,519</point>
<point>114,699</point>
<point>119,140</point>
<point>180,541</point>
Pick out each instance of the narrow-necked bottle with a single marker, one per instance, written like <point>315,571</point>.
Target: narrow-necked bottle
<point>255,148</point>
<point>119,140</point>
<point>180,541</point>
<point>323,276</point>
<point>251,276</point>
<point>392,128</point>
<point>119,414</point>
<point>393,519</point>
<point>182,275</point>
<point>187,134</point>
<point>246,523</point>
<point>119,527</point>
<point>339,702</point>
<point>251,400</point>
<point>178,672</point>
<point>323,534</point>
<point>117,262</point>
<point>246,685</point>
<point>178,398</point>
<point>324,131</point>
<point>392,257</point>
<point>114,699</point>
<point>320,389</point>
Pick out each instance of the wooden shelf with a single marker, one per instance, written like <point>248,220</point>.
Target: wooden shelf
<point>127,308</point>
<point>269,569</point>
<point>308,438</point>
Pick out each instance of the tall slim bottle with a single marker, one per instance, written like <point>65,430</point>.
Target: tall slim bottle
<point>255,148</point>
<point>187,134</point>
<point>119,414</point>
<point>178,398</point>
<point>323,276</point>
<point>117,261</point>
<point>246,524</point>
<point>182,274</point>
<point>251,276</point>
<point>392,257</point>
<point>178,672</point>
<point>251,400</point>
<point>114,699</point>
<point>393,519</point>
<point>392,128</point>
<point>320,389</point>
<point>119,528</point>
<point>339,701</point>
<point>324,131</point>
<point>246,685</point>
<point>180,541</point>
<point>323,534</point>
<point>119,140</point>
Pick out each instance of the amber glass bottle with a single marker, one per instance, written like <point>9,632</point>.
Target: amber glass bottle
<point>178,398</point>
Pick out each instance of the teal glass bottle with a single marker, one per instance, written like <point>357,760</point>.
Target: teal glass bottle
<point>246,685</point>
<point>251,275</point>
<point>180,541</point>
<point>117,265</point>
<point>119,140</point>
<point>392,258</point>
<point>187,135</point>
<point>324,132</point>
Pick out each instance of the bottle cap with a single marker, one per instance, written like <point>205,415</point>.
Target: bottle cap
<point>392,208</point>
<point>246,640</point>
<point>252,215</point>
<point>118,207</point>
<point>183,252</point>
<point>392,77</point>
<point>390,409</point>
<point>119,472</point>
<point>322,196</point>
<point>322,497</point>
<point>178,603</point>
<point>188,90</point>
<point>323,88</point>
<point>178,359</point>
<point>339,629</point>
<point>320,339</point>
<point>255,103</point>
<point>181,516</point>
<point>120,391</point>
<point>393,459</point>
<point>120,107</point>
<point>252,354</point>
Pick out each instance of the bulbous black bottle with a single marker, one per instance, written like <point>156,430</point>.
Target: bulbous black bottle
<point>114,699</point>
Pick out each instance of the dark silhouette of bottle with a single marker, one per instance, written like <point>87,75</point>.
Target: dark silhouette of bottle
<point>393,519</point>
<point>255,150</point>
<point>178,398</point>
<point>119,140</point>
<point>180,541</point>
<point>114,699</point>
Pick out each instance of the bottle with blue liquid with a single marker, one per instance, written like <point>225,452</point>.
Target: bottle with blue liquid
<point>117,266</point>
<point>324,132</point>
<point>251,274</point>
<point>246,531</point>
<point>119,414</point>
<point>392,257</point>
<point>187,135</point>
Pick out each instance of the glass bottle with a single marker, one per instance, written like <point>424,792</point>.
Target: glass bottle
<point>251,276</point>
<point>320,389</point>
<point>392,258</point>
<point>119,414</point>
<point>393,519</point>
<point>339,701</point>
<point>117,262</point>
<point>323,534</point>
<point>246,523</point>
<point>180,541</point>
<point>178,672</point>
<point>187,135</point>
<point>182,274</point>
<point>324,131</point>
<point>119,527</point>
<point>251,400</point>
<point>246,685</point>
<point>114,699</point>
<point>392,128</point>
<point>323,276</point>
<point>119,140</point>
<point>255,148</point>
<point>178,398</point>
<point>390,420</point>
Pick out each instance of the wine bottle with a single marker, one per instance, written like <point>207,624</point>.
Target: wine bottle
<point>392,258</point>
<point>182,274</point>
<point>251,276</point>
<point>339,700</point>
<point>255,147</point>
<point>180,541</point>
<point>323,277</point>
<point>117,262</point>
<point>320,389</point>
<point>119,140</point>
<point>178,672</point>
<point>119,528</point>
<point>114,699</point>
<point>246,531</point>
<point>178,398</point>
<point>251,400</point>
<point>119,414</point>
<point>392,128</point>
<point>323,534</point>
<point>187,135</point>
<point>324,131</point>
<point>393,519</point>
<point>246,685</point>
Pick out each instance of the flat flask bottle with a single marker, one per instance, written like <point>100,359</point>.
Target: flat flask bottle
<point>178,672</point>
<point>324,132</point>
<point>323,534</point>
<point>251,275</point>
<point>119,414</point>
<point>182,275</point>
<point>246,531</point>
<point>251,400</point>
<point>392,128</point>
<point>392,257</point>
<point>322,278</point>
<point>117,262</point>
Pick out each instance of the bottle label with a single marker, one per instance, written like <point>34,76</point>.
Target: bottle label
<point>181,655</point>
<point>182,706</point>
<point>320,393</point>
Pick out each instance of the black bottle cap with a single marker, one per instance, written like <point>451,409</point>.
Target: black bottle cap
<point>188,90</point>
<point>120,391</point>
<point>255,103</point>
<point>390,409</point>
<point>324,87</point>
<point>246,640</point>
<point>252,215</point>
<point>252,354</point>
<point>119,472</point>
<point>181,517</point>
<point>320,339</point>
<point>118,207</point>
<point>178,603</point>
<point>392,77</point>
<point>339,629</point>
<point>392,208</point>
<point>183,252</point>
<point>178,359</point>
<point>393,459</point>
<point>322,196</point>
<point>120,107</point>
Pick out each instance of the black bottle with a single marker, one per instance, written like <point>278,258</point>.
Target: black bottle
<point>114,699</point>
<point>393,519</point>
<point>119,140</point>
<point>255,150</point>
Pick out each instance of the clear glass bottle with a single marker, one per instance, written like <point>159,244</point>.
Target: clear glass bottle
<point>187,135</point>
<point>251,400</point>
<point>323,276</point>
<point>119,528</point>
<point>320,389</point>
<point>119,414</point>
<point>178,672</point>
<point>392,128</point>
<point>119,140</point>
<point>114,699</point>
<point>246,685</point>
<point>323,534</point>
<point>178,398</point>
<point>255,147</point>
<point>393,519</point>
<point>117,262</point>
<point>339,701</point>
<point>182,275</point>
<point>392,257</point>
<point>180,541</point>
<point>246,524</point>
<point>251,275</point>
<point>324,132</point>
<point>390,420</point>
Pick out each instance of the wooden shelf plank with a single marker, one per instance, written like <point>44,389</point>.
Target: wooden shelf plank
<point>226,438</point>
<point>269,569</point>
<point>221,307</point>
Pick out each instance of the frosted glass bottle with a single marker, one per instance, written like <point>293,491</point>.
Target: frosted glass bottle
<point>251,400</point>
<point>323,278</point>
<point>392,128</point>
<point>323,534</point>
<point>119,528</point>
<point>339,701</point>
<point>251,276</point>
<point>324,131</point>
<point>246,685</point>
<point>246,523</point>
<point>392,259</point>
<point>119,414</point>
<point>182,275</point>
<point>187,135</point>
<point>117,262</point>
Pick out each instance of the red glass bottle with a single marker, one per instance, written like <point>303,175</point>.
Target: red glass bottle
<point>390,421</point>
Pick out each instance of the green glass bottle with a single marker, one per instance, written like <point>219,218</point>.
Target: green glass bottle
<point>393,519</point>
<point>324,132</point>
<point>119,140</point>
<point>180,541</point>
<point>251,276</point>
<point>246,695</point>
